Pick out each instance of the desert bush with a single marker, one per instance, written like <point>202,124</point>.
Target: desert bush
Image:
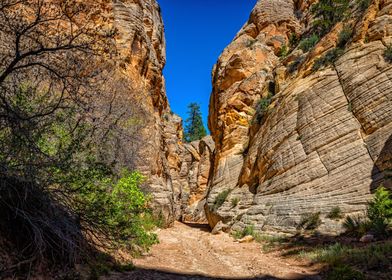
<point>307,44</point>
<point>388,53</point>
<point>363,4</point>
<point>293,66</point>
<point>328,59</point>
<point>379,212</point>
<point>59,138</point>
<point>335,213</point>
<point>262,108</point>
<point>234,201</point>
<point>293,40</point>
<point>284,51</point>
<point>118,208</point>
<point>378,219</point>
<point>327,13</point>
<point>309,221</point>
<point>344,36</point>
<point>220,199</point>
<point>345,272</point>
<point>356,225</point>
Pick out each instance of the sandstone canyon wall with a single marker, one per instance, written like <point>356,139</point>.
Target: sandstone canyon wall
<point>177,173</point>
<point>325,140</point>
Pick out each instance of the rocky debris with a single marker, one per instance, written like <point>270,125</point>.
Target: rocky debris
<point>324,141</point>
<point>220,227</point>
<point>367,238</point>
<point>196,167</point>
<point>246,239</point>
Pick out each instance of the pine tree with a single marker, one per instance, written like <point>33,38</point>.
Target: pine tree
<point>194,127</point>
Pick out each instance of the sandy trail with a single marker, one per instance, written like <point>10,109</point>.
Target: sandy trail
<point>188,252</point>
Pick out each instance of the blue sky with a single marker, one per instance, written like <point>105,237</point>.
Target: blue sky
<point>197,31</point>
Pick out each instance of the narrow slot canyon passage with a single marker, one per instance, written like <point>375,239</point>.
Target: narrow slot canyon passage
<point>200,139</point>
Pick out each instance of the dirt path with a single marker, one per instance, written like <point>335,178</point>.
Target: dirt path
<point>187,252</point>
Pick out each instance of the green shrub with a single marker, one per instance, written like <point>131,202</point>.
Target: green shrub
<point>380,211</point>
<point>331,254</point>
<point>345,272</point>
<point>119,208</point>
<point>344,36</point>
<point>309,221</point>
<point>327,13</point>
<point>355,226</point>
<point>293,40</point>
<point>328,59</point>
<point>388,53</point>
<point>308,43</point>
<point>363,4</point>
<point>249,230</point>
<point>335,213</point>
<point>234,201</point>
<point>284,51</point>
<point>262,108</point>
<point>220,199</point>
<point>293,66</point>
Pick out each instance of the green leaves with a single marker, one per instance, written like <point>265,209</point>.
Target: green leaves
<point>118,207</point>
<point>308,43</point>
<point>327,13</point>
<point>262,107</point>
<point>380,211</point>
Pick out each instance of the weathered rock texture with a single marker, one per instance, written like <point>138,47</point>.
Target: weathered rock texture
<point>177,173</point>
<point>325,141</point>
<point>141,46</point>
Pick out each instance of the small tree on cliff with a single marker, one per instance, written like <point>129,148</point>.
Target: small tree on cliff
<point>194,128</point>
<point>327,13</point>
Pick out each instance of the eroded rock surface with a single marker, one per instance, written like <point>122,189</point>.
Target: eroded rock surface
<point>325,141</point>
<point>177,172</point>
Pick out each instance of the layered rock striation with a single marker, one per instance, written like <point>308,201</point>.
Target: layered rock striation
<point>323,142</point>
<point>177,173</point>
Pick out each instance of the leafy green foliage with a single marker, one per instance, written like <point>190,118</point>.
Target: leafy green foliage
<point>293,40</point>
<point>327,13</point>
<point>307,44</point>
<point>376,257</point>
<point>380,211</point>
<point>234,201</point>
<point>335,213</point>
<point>248,230</point>
<point>355,226</point>
<point>284,51</point>
<point>119,208</point>
<point>262,108</point>
<point>220,199</point>
<point>379,217</point>
<point>194,127</point>
<point>388,53</point>
<point>345,36</point>
<point>309,221</point>
<point>328,59</point>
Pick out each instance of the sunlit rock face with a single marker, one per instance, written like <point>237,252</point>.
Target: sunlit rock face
<point>177,173</point>
<point>141,47</point>
<point>326,139</point>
